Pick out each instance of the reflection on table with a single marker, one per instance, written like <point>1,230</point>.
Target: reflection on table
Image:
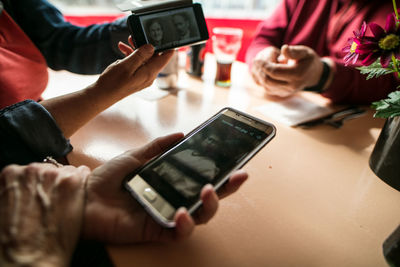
<point>311,199</point>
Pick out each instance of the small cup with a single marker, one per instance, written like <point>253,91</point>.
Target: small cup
<point>168,76</point>
<point>226,45</point>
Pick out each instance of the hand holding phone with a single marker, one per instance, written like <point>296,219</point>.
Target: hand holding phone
<point>169,28</point>
<point>113,216</point>
<point>207,155</point>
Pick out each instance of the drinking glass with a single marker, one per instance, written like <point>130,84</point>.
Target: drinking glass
<point>226,44</point>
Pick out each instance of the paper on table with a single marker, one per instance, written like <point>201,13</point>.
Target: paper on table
<point>295,110</point>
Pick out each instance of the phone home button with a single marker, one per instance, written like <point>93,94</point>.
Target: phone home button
<point>149,194</point>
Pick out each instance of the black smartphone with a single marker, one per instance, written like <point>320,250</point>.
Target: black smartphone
<point>169,28</point>
<point>207,155</point>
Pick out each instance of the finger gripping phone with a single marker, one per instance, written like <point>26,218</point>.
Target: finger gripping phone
<point>169,28</point>
<point>207,155</point>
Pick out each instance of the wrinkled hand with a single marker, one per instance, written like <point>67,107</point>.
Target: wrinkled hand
<point>113,215</point>
<point>287,71</point>
<point>131,74</point>
<point>41,212</point>
<point>266,57</point>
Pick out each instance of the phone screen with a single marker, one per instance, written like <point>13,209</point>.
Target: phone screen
<point>170,28</point>
<point>206,156</point>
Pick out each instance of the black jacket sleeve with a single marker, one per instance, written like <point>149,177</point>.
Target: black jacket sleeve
<point>28,133</point>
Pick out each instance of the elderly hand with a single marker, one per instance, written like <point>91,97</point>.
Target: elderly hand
<point>41,212</point>
<point>113,215</point>
<point>287,71</point>
<point>266,57</point>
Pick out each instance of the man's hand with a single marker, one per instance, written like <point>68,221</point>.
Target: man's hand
<point>287,71</point>
<point>113,215</point>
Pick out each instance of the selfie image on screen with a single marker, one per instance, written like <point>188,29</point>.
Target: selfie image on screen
<point>206,157</point>
<point>170,28</point>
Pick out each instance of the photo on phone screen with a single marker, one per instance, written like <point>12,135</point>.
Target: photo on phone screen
<point>208,155</point>
<point>171,28</point>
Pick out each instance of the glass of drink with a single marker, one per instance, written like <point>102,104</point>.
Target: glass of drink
<point>226,44</point>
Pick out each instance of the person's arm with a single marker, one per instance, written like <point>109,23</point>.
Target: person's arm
<point>122,78</point>
<point>264,53</point>
<point>28,133</point>
<point>83,50</point>
<point>271,31</point>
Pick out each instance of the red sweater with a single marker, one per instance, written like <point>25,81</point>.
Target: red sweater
<point>325,26</point>
<point>23,69</point>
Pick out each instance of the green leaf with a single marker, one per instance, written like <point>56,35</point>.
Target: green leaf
<point>375,70</point>
<point>389,107</point>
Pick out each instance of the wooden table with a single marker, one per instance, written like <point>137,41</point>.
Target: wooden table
<point>311,199</point>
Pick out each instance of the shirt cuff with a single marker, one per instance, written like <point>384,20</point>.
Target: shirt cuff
<point>28,133</point>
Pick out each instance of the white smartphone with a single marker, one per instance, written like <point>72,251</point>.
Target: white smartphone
<point>207,155</point>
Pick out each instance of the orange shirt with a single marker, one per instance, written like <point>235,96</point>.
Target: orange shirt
<point>23,69</point>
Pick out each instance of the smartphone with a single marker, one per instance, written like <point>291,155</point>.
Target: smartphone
<point>169,28</point>
<point>207,155</point>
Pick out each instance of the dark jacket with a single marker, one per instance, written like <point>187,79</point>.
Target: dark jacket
<point>83,50</point>
<point>28,133</point>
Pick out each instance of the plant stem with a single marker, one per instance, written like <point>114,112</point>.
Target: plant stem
<point>395,65</point>
<point>395,11</point>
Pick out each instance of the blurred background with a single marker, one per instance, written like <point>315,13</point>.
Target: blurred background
<point>251,9</point>
<point>244,14</point>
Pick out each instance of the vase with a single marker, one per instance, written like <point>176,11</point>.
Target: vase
<point>385,158</point>
<point>391,248</point>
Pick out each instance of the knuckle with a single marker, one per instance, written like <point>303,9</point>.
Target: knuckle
<point>117,66</point>
<point>140,56</point>
<point>109,67</point>
<point>31,171</point>
<point>50,175</point>
<point>9,169</point>
<point>32,168</point>
<point>84,169</point>
<point>72,177</point>
<point>69,182</point>
<point>8,172</point>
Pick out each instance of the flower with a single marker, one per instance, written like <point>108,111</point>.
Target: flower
<point>352,46</point>
<point>380,55</point>
<point>384,44</point>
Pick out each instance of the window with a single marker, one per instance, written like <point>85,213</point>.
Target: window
<point>250,9</point>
